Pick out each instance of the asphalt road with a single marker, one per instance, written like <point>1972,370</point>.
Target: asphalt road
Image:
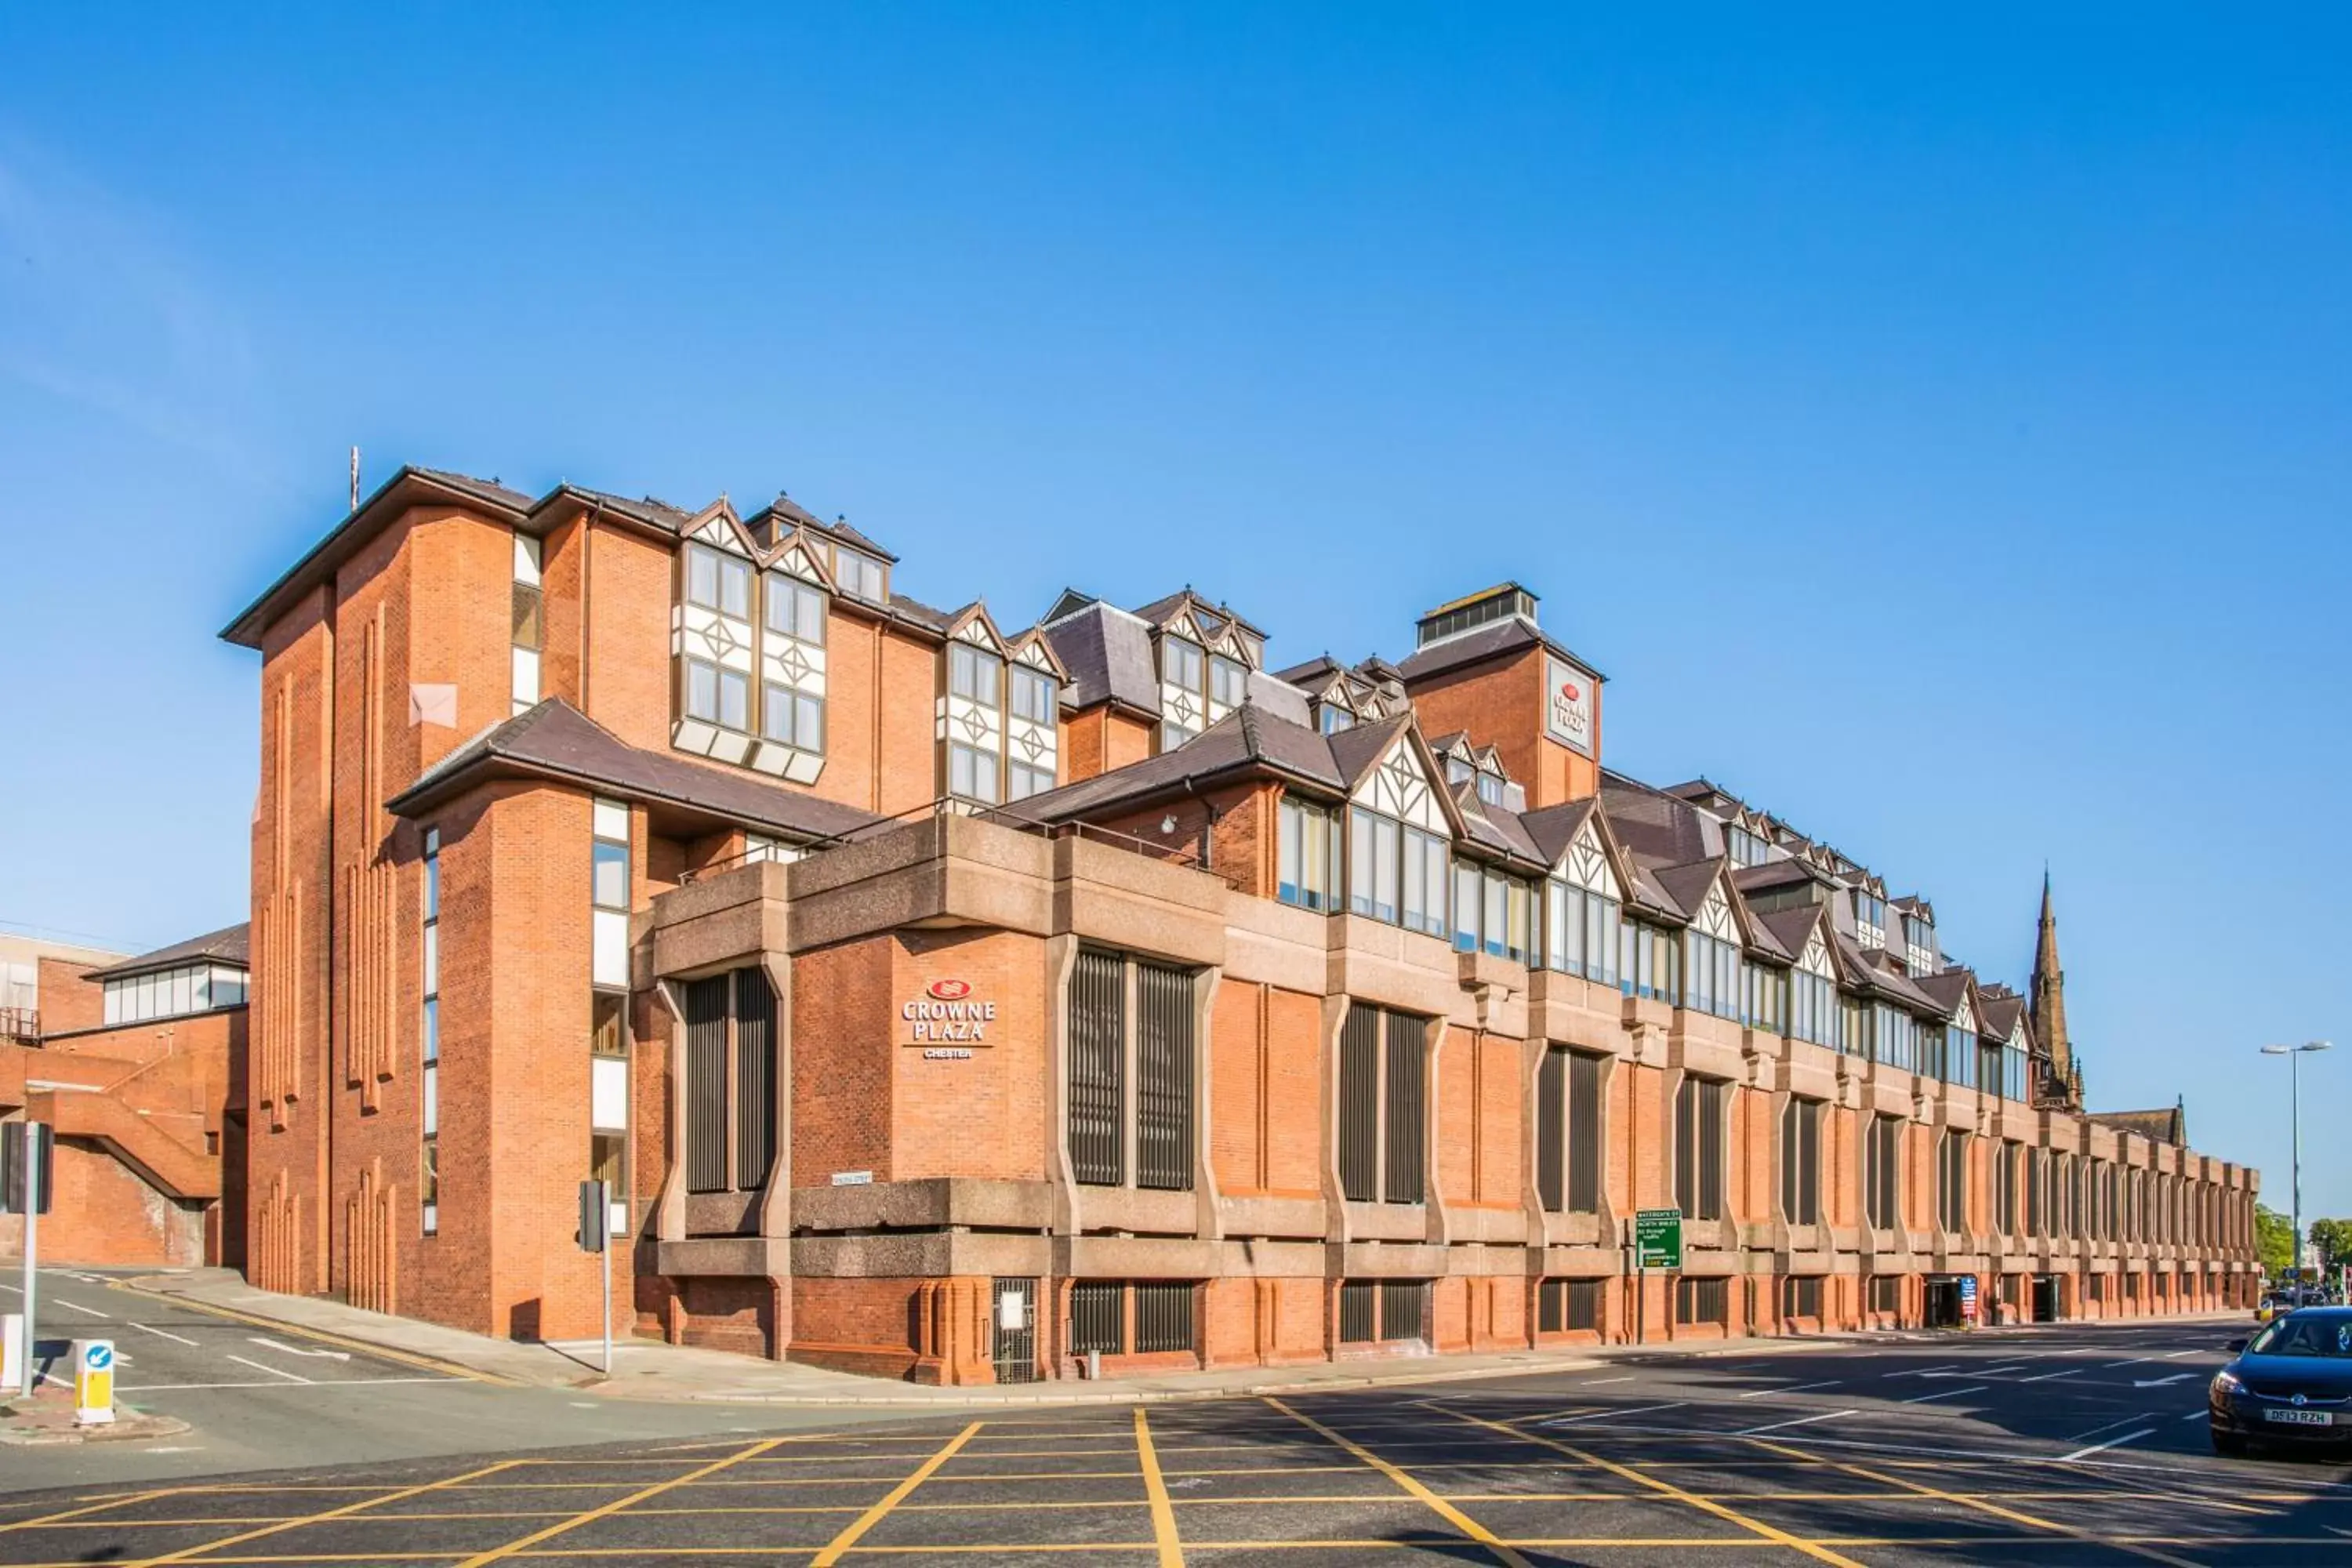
<point>2070,1445</point>
<point>255,1397</point>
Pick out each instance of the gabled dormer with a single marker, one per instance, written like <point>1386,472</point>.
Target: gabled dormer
<point>1204,655</point>
<point>972,709</point>
<point>714,637</point>
<point>1032,715</point>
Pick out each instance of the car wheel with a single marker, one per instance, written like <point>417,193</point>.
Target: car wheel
<point>2227,1443</point>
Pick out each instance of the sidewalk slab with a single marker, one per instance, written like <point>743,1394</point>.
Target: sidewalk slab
<point>652,1370</point>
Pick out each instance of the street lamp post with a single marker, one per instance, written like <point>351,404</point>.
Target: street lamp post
<point>2295,1104</point>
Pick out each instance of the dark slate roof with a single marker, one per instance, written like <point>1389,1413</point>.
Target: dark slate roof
<point>1313,672</point>
<point>2001,1008</point>
<point>1654,826</point>
<point>407,487</point>
<point>1494,828</point>
<point>1159,611</point>
<point>1946,986</point>
<point>1792,928</point>
<point>1552,828</point>
<point>923,614</point>
<point>646,509</point>
<point>1492,640</point>
<point>1246,738</point>
<point>1280,698</point>
<point>227,945</point>
<point>2170,1125</point>
<point>1878,972</point>
<point>1356,749</point>
<point>1687,885</point>
<point>1108,655</point>
<point>1764,941</point>
<point>555,741</point>
<point>1772,874</point>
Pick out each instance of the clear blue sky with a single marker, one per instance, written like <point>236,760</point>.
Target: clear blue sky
<point>1940,431</point>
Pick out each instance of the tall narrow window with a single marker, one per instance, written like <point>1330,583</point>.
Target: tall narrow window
<point>1952,1182</point>
<point>1163,1077</point>
<point>1381,1103</point>
<point>609,894</point>
<point>1037,705</point>
<point>1097,1069</point>
<point>1568,1131</point>
<point>1698,1148</point>
<point>1310,854</point>
<point>1800,1161</point>
<point>1882,1173</point>
<point>428,1184</point>
<point>530,628</point>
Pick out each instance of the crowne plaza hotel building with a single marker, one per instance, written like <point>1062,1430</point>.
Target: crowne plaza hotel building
<point>961,1001</point>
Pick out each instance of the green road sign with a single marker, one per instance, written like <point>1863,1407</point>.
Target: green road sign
<point>1658,1238</point>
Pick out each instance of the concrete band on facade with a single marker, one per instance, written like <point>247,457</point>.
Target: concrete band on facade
<point>892,1072</point>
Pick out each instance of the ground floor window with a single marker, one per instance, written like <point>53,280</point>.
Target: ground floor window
<point>1376,1309</point>
<point>1887,1293</point>
<point>1137,1316</point>
<point>1803,1297</point>
<point>1703,1300</point>
<point>1565,1304</point>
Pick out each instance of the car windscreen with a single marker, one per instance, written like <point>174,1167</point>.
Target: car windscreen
<point>2328,1336</point>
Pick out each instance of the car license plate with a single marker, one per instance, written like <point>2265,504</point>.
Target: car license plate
<point>2299,1417</point>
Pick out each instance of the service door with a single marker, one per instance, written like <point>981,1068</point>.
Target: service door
<point>1014,1323</point>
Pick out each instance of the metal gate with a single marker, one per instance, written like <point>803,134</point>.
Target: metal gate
<point>1013,1318</point>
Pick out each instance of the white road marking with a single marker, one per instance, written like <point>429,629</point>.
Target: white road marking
<point>2199,1415</point>
<point>2135,1361</point>
<point>1924,1370</point>
<point>161,1334</point>
<point>1993,1371</point>
<point>2110,1443</point>
<point>1598,1380</point>
<point>2045,1377</point>
<point>1800,1421</point>
<point>1800,1388</point>
<point>297,1350</point>
<point>1605,1415</point>
<point>2176,1355</point>
<point>77,1306</point>
<point>2161,1382</point>
<point>1948,1393</point>
<point>302,1382</point>
<point>2105,1426</point>
<point>291,1377</point>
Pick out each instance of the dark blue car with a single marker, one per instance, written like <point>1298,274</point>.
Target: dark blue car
<point>2290,1384</point>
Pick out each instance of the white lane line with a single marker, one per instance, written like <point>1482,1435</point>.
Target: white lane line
<point>1610,1415</point>
<point>2046,1376</point>
<point>2176,1355</point>
<point>1948,1393</point>
<point>305,1383</point>
<point>1800,1388</point>
<point>1924,1370</point>
<point>2135,1361</point>
<point>291,1377</point>
<point>2199,1415</point>
<point>1598,1380</point>
<point>1993,1371</point>
<point>78,1307</point>
<point>1800,1421</point>
<point>2110,1443</point>
<point>2161,1382</point>
<point>2107,1427</point>
<point>295,1349</point>
<point>160,1333</point>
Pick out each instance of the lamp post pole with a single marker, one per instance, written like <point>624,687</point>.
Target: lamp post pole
<point>2294,1055</point>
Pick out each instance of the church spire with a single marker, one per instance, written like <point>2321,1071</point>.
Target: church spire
<point>2048,999</point>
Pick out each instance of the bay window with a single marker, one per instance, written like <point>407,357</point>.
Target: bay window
<point>1309,853</point>
<point>1396,873</point>
<point>1491,912</point>
<point>1712,976</point>
<point>1649,961</point>
<point>1579,931</point>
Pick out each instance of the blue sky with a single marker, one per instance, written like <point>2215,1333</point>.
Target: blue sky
<point>1938,430</point>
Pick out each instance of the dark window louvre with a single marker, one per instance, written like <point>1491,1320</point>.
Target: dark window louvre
<point>1584,1140</point>
<point>1096,1317</point>
<point>1356,1312</point>
<point>1711,1096</point>
<point>1097,1058</point>
<point>1359,1046</point>
<point>1404,1307</point>
<point>1584,1303</point>
<point>1164,1316</point>
<point>1809,1173</point>
<point>755,1079</point>
<point>1551,1151</point>
<point>706,1085</point>
<point>1805,1298</point>
<point>1703,1300</point>
<point>1163,1072</point>
<point>1407,1045</point>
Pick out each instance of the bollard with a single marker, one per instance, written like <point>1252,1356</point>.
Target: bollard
<point>93,1382</point>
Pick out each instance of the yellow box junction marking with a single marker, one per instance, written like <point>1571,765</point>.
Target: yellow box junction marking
<point>857,1527</point>
<point>1444,1510</point>
<point>577,1520</point>
<point>185,1554</point>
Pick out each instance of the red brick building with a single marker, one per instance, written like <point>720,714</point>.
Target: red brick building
<point>950,1000</point>
<point>136,1067</point>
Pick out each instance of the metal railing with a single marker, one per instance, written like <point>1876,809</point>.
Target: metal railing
<point>21,1024</point>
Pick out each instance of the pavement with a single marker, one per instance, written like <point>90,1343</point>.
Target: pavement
<point>2076,1444</point>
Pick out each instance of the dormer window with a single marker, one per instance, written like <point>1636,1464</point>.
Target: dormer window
<point>1184,687</point>
<point>975,694</point>
<point>1744,848</point>
<point>1490,789</point>
<point>1228,682</point>
<point>1869,919</point>
<point>860,575</point>
<point>1919,944</point>
<point>1331,717</point>
<point>1036,711</point>
<point>718,581</point>
<point>718,696</point>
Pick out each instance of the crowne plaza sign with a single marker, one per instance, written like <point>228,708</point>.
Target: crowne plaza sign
<point>947,1013</point>
<point>1568,705</point>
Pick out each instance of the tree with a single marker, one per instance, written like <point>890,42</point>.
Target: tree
<point>2333,1239</point>
<point>2274,1242</point>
